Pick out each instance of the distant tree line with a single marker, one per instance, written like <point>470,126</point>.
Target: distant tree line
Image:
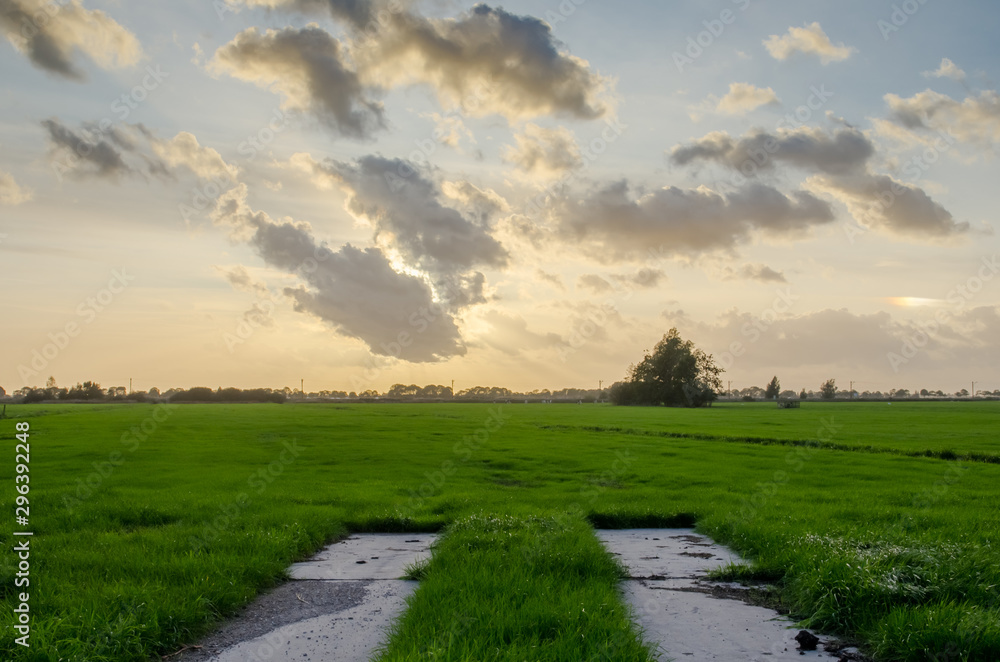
<point>675,373</point>
<point>94,392</point>
<point>828,390</point>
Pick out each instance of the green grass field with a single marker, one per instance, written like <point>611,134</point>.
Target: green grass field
<point>154,522</point>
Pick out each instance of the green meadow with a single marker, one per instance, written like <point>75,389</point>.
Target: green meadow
<point>152,523</point>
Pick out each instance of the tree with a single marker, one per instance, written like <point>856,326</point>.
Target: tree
<point>674,373</point>
<point>773,388</point>
<point>829,389</point>
<point>803,395</point>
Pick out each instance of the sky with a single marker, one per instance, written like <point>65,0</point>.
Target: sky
<point>358,193</point>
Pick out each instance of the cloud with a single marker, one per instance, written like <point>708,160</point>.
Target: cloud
<point>239,277</point>
<point>259,315</point>
<point>744,97</point>
<point>883,202</point>
<point>404,208</point>
<point>50,34</point>
<point>974,120</point>
<point>123,150</point>
<point>553,279</point>
<point>807,341</point>
<point>843,161</point>
<point>810,40</point>
<point>307,67</point>
<point>642,279</point>
<point>109,154</point>
<point>832,342</point>
<point>846,150</point>
<point>355,290</point>
<point>485,61</point>
<point>612,224</point>
<point>594,283</point>
<point>948,69</point>
<point>184,150</point>
<point>547,153</point>
<point>11,193</point>
<point>450,129</point>
<point>483,204</point>
<point>356,12</point>
<point>758,272</point>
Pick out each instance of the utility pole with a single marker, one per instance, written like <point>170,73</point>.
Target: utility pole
<point>129,384</point>
<point>852,390</point>
<point>973,389</point>
<point>600,384</point>
<point>453,388</point>
<point>302,387</point>
<point>729,388</point>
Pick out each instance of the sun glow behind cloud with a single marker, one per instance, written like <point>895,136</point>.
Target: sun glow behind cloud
<point>914,302</point>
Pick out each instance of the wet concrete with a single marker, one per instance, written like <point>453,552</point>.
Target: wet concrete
<point>689,617</point>
<point>338,605</point>
<point>366,556</point>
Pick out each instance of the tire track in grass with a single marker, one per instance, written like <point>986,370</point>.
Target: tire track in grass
<point>945,454</point>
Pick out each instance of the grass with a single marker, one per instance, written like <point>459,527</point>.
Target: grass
<point>136,554</point>
<point>502,588</point>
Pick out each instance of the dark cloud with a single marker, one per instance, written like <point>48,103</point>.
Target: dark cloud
<point>842,160</point>
<point>485,61</point>
<point>404,207</point>
<point>50,35</point>
<point>91,152</point>
<point>307,67</point>
<point>612,224</point>
<point>358,13</point>
<point>847,150</point>
<point>356,290</point>
<point>119,150</point>
<point>883,202</point>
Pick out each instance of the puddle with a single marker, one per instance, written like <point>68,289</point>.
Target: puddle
<point>690,617</point>
<point>337,606</point>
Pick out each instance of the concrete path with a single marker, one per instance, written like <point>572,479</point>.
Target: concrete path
<point>338,605</point>
<point>679,610</point>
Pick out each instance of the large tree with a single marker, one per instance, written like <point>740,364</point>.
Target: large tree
<point>773,389</point>
<point>829,389</point>
<point>674,373</point>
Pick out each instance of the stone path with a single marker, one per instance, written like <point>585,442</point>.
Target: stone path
<point>688,616</point>
<point>338,605</point>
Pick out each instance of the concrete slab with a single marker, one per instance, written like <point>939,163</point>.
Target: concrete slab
<point>666,553</point>
<point>338,605</point>
<point>351,635</point>
<point>678,609</point>
<point>366,556</point>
